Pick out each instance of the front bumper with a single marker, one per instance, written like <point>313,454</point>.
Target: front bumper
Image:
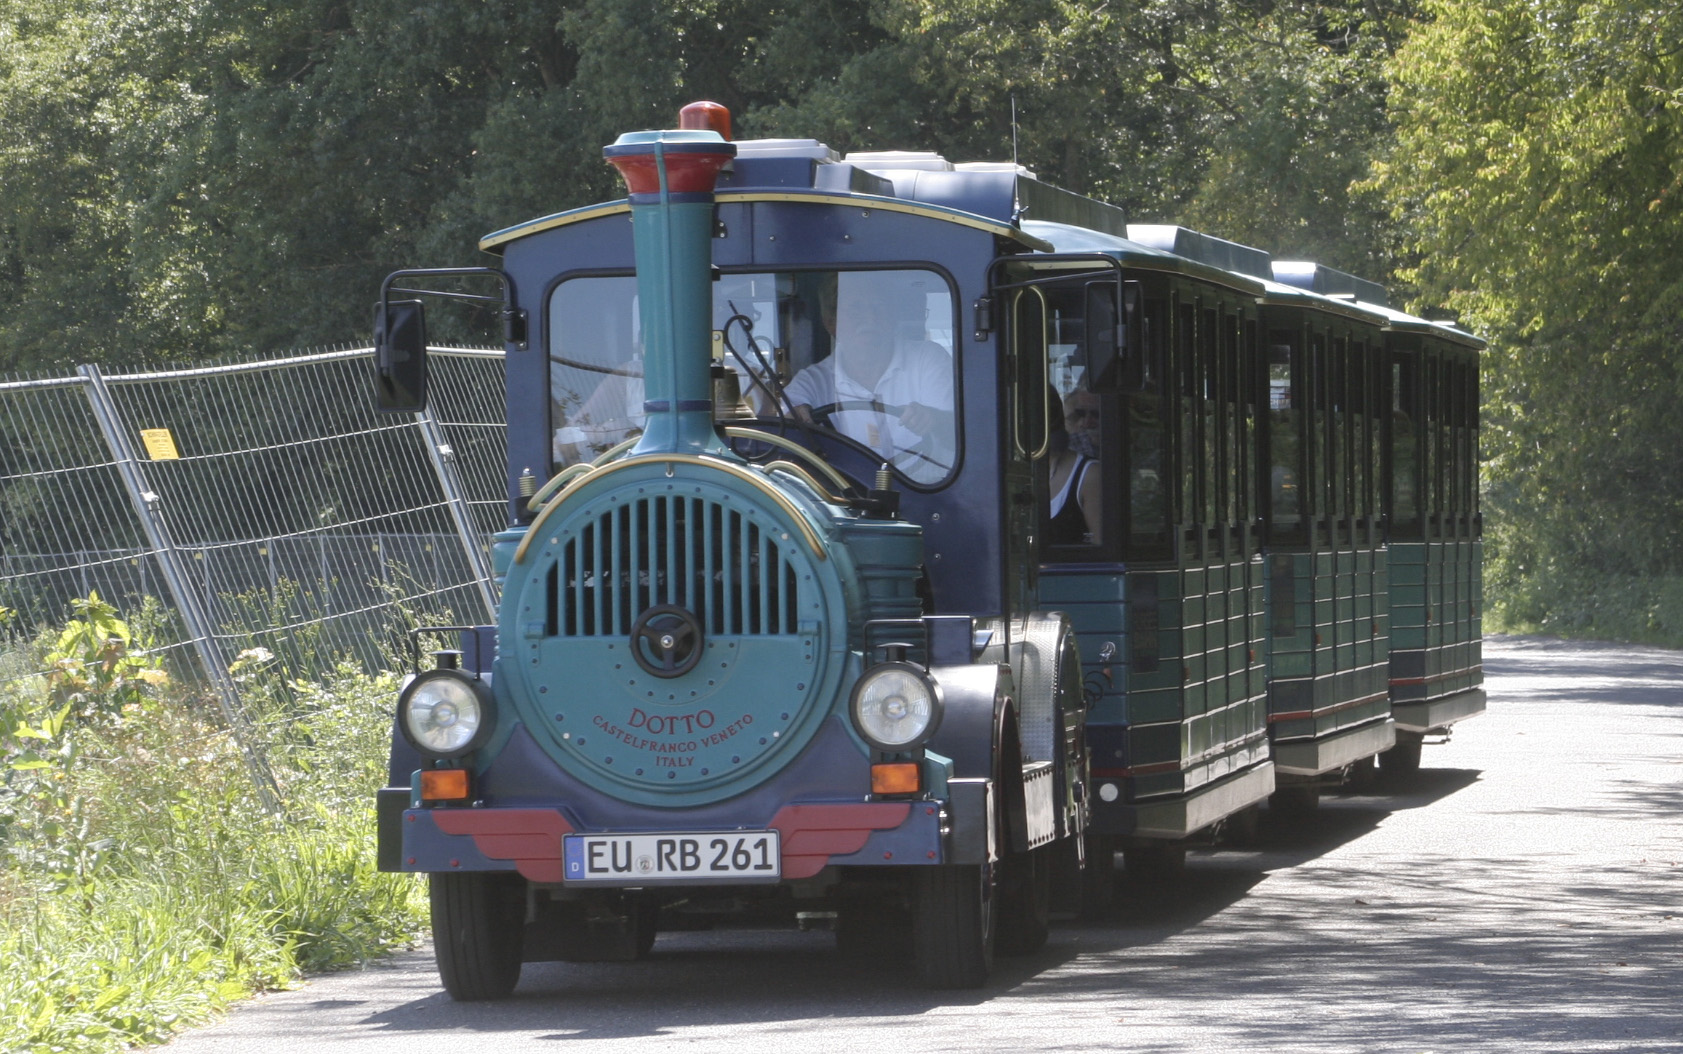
<point>812,836</point>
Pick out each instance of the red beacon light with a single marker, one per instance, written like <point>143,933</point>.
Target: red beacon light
<point>705,117</point>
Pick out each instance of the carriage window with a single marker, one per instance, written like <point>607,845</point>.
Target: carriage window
<point>866,356</point>
<point>1076,432</point>
<point>1284,438</point>
<point>1405,447</point>
<point>1361,409</point>
<point>1340,428</point>
<point>1077,438</point>
<point>1146,424</point>
<point>1187,450</point>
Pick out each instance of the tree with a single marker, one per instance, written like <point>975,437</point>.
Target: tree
<point>224,178</point>
<point>1539,169</point>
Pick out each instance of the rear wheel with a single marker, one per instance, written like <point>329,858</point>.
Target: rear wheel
<point>953,913</point>
<point>1296,799</point>
<point>1404,758</point>
<point>1098,879</point>
<point>1155,863</point>
<point>477,919</point>
<point>1240,829</point>
<point>1362,776</point>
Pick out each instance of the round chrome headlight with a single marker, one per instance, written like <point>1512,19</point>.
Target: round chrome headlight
<point>445,714</point>
<point>896,706</point>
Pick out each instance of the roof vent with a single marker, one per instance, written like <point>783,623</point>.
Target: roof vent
<point>1205,248</point>
<point>1312,276</point>
<point>995,166</point>
<point>915,160</point>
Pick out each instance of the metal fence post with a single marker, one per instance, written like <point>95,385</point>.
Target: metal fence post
<point>444,464</point>
<point>187,601</point>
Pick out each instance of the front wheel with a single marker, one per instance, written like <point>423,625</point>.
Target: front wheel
<point>1025,902</point>
<point>477,923</point>
<point>953,913</point>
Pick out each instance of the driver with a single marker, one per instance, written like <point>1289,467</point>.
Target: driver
<point>887,385</point>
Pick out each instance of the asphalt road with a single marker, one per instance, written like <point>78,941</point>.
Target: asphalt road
<point>1523,893</point>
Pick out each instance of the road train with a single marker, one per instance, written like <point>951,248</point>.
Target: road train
<point>895,542</point>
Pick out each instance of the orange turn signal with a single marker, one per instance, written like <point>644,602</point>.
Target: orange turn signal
<point>444,784</point>
<point>896,777</point>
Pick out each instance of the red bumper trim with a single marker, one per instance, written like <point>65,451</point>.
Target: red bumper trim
<point>811,834</point>
<point>529,837</point>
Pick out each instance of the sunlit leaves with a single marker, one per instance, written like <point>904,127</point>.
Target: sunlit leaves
<point>1538,166</point>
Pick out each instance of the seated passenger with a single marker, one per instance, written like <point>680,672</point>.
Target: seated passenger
<point>1072,473</point>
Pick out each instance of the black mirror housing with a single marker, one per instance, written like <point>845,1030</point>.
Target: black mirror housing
<point>400,356</point>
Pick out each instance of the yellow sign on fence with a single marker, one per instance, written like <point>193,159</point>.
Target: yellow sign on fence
<point>160,445</point>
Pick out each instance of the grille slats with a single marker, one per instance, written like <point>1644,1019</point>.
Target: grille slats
<point>707,558</point>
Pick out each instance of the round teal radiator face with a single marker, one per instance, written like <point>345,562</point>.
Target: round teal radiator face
<point>674,639</point>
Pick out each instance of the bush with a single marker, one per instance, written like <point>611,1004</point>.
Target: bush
<point>146,887</point>
<point>1578,602</point>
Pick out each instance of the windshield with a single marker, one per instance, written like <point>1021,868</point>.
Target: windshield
<point>863,355</point>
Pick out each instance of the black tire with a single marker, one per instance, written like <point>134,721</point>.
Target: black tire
<point>953,914</point>
<point>1156,863</point>
<point>1025,903</point>
<point>1098,880</point>
<point>1363,776</point>
<point>1296,799</point>
<point>477,923</point>
<point>1240,829</point>
<point>1404,758</point>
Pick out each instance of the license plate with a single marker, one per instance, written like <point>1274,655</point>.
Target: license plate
<point>644,859</point>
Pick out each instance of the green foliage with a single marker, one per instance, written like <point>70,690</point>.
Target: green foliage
<point>1537,167</point>
<point>94,668</point>
<point>212,179</point>
<point>145,886</point>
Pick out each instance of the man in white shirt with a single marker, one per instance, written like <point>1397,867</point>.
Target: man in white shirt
<point>886,385</point>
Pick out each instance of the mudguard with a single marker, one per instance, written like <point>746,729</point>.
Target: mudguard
<point>978,733</point>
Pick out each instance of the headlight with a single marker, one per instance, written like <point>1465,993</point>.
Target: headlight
<point>896,706</point>
<point>445,714</point>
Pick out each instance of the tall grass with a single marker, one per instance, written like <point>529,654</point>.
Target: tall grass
<point>144,886</point>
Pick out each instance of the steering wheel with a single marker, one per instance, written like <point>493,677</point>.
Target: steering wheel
<point>823,413</point>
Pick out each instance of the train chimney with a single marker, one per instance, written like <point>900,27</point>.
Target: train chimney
<point>671,175</point>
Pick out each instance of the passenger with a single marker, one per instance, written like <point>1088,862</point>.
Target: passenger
<point>887,385</point>
<point>1074,484</point>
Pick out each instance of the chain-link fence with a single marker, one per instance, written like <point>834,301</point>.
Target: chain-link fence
<point>260,515</point>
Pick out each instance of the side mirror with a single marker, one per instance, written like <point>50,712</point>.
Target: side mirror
<point>1105,343</point>
<point>400,356</point>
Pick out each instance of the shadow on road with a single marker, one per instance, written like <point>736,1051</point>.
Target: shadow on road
<point>1584,673</point>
